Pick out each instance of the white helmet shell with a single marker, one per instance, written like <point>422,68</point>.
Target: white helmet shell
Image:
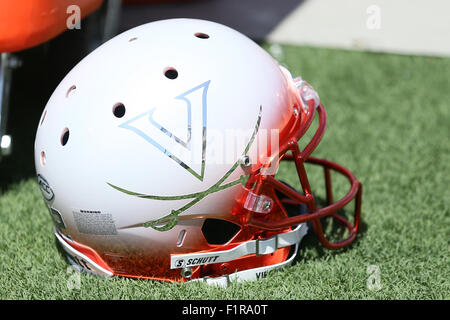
<point>146,144</point>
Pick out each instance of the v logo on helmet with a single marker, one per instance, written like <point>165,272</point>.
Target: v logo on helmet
<point>169,221</point>
<point>181,138</point>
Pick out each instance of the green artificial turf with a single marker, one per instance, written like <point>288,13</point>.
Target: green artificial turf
<point>389,122</point>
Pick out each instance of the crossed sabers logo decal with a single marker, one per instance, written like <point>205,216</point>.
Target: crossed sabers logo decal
<point>169,221</point>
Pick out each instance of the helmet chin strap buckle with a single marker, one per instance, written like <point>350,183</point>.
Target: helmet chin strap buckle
<point>266,246</point>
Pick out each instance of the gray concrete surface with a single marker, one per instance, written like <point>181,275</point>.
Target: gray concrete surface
<point>399,26</point>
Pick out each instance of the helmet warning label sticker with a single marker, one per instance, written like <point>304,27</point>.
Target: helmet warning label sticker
<point>94,222</point>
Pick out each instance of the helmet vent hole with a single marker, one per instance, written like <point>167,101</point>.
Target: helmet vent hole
<point>119,110</point>
<point>181,237</point>
<point>217,231</point>
<point>65,137</point>
<point>171,73</point>
<point>43,160</point>
<point>43,117</point>
<point>202,35</point>
<point>71,89</point>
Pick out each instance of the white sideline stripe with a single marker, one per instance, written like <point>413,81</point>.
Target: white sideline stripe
<point>407,26</point>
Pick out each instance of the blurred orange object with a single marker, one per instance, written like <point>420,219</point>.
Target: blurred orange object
<point>154,1</point>
<point>27,23</point>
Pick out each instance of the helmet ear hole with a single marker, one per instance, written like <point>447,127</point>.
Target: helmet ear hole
<point>217,231</point>
<point>65,136</point>
<point>202,35</point>
<point>119,110</point>
<point>171,73</point>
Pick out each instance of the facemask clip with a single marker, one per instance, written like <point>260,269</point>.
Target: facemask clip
<point>307,92</point>
<point>258,203</point>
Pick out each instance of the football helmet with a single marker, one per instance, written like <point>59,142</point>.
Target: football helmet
<point>157,157</point>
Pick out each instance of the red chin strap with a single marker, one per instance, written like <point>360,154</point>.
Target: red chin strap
<point>266,185</point>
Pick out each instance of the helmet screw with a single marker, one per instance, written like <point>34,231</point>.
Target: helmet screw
<point>267,205</point>
<point>295,111</point>
<point>245,161</point>
<point>186,273</point>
